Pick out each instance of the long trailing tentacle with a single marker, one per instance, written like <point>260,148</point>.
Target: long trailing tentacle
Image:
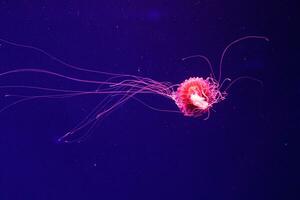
<point>154,108</point>
<point>66,64</point>
<point>162,88</point>
<point>242,78</point>
<point>206,59</point>
<point>58,59</point>
<point>118,94</point>
<point>232,43</point>
<point>98,114</point>
<point>89,121</point>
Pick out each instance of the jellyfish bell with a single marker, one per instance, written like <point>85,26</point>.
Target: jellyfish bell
<point>196,96</point>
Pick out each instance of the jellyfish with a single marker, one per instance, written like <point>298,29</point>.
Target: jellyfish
<point>194,97</point>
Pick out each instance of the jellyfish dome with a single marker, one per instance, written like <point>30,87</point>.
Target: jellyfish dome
<point>195,96</point>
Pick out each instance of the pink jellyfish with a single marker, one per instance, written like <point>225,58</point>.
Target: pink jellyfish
<point>194,97</point>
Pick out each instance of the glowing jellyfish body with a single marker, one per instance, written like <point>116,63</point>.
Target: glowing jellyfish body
<point>194,97</point>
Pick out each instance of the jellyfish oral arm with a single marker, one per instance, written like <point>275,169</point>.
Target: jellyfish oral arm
<point>199,101</point>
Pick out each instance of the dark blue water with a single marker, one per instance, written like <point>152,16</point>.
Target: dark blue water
<point>137,153</point>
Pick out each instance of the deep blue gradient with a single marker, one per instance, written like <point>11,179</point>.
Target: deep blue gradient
<point>240,153</point>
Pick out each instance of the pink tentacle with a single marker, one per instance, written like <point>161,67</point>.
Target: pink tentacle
<point>232,43</point>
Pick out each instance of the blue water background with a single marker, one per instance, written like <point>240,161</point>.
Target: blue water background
<point>136,153</point>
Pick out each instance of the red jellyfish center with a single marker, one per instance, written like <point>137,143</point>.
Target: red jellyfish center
<point>195,96</point>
